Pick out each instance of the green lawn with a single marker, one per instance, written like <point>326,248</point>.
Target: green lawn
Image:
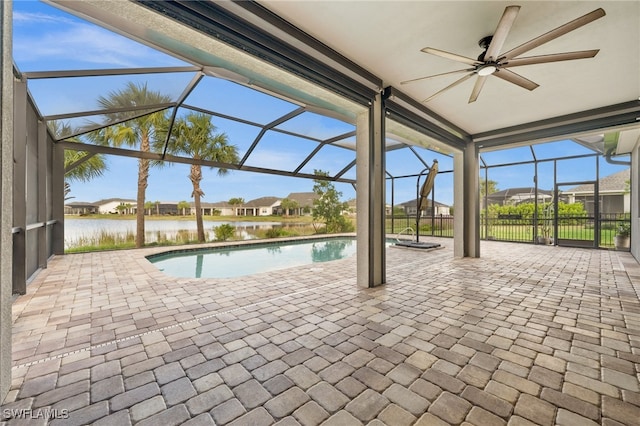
<point>520,233</point>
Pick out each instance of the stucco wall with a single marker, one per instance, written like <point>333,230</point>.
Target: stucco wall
<point>6,196</point>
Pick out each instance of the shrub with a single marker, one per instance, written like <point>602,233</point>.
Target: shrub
<point>275,233</point>
<point>224,232</point>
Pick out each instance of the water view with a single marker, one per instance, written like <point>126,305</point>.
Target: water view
<point>78,231</point>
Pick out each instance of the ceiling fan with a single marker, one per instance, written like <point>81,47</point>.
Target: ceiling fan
<point>492,62</point>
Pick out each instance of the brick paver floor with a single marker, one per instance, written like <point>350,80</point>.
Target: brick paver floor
<point>523,335</point>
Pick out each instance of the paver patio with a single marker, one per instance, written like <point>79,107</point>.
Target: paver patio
<point>524,335</point>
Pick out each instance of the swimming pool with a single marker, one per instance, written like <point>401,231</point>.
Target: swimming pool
<point>227,262</point>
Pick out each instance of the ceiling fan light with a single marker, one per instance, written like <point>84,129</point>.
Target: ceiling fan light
<point>487,70</point>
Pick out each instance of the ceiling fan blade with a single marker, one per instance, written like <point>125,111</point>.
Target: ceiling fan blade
<point>553,34</point>
<point>557,57</point>
<point>477,88</point>
<point>501,32</point>
<point>452,56</point>
<point>436,75</point>
<point>516,79</point>
<point>455,83</point>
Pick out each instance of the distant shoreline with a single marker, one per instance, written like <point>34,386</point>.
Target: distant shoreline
<point>188,218</point>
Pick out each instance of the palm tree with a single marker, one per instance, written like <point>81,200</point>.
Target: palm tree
<point>288,204</point>
<point>144,131</point>
<point>237,201</point>
<point>148,205</point>
<point>195,135</point>
<point>183,205</point>
<point>79,166</point>
<point>92,167</point>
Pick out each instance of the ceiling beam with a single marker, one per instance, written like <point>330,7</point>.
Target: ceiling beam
<point>405,110</point>
<point>598,119</point>
<point>34,75</point>
<point>100,149</point>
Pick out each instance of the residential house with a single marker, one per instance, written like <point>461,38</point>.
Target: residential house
<point>80,208</point>
<point>304,200</point>
<point>515,196</point>
<point>410,208</point>
<point>263,206</point>
<point>222,208</point>
<point>110,206</point>
<point>613,190</point>
<point>166,208</point>
<point>352,207</point>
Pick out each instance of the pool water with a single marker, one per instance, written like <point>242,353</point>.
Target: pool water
<point>226,262</point>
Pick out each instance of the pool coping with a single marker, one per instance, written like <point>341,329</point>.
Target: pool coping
<point>220,245</point>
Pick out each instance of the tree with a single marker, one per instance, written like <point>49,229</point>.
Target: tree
<point>141,131</point>
<point>288,204</point>
<point>224,232</point>
<point>488,187</point>
<point>399,211</point>
<point>328,207</point>
<point>195,136</point>
<point>183,205</point>
<point>79,166</point>
<point>236,202</point>
<point>148,205</point>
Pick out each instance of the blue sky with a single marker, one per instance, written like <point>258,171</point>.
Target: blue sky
<point>47,39</point>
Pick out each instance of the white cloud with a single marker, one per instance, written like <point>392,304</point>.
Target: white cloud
<point>45,38</point>
<point>29,18</point>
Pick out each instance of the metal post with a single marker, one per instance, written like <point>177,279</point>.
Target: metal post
<point>555,207</point>
<point>596,211</point>
<point>57,198</point>
<point>535,191</point>
<point>486,203</point>
<point>20,188</point>
<point>418,210</point>
<point>393,213</point>
<point>43,201</point>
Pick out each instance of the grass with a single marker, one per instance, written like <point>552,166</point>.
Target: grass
<point>519,233</point>
<point>565,232</point>
<point>103,240</point>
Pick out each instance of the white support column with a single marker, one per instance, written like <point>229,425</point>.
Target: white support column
<point>467,202</point>
<point>6,195</point>
<point>370,186</point>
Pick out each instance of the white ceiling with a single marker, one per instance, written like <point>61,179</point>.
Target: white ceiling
<point>385,37</point>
